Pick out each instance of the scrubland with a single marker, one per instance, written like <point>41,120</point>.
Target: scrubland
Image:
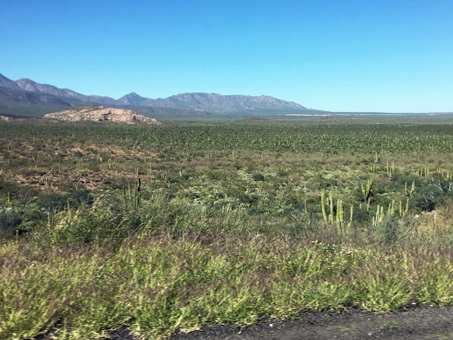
<point>161,229</point>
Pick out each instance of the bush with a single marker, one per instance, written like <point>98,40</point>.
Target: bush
<point>53,203</point>
<point>428,198</point>
<point>10,219</point>
<point>258,177</point>
<point>79,197</point>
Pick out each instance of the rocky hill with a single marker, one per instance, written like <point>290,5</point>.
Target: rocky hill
<point>101,114</point>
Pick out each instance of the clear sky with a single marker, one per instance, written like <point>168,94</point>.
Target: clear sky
<point>338,55</point>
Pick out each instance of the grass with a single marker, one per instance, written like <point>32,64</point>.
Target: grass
<point>160,285</point>
<point>167,229</point>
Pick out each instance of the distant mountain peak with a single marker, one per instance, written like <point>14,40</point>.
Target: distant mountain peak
<point>32,86</point>
<point>133,99</point>
<point>132,95</point>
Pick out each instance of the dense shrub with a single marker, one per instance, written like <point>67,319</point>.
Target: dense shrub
<point>10,219</point>
<point>427,198</point>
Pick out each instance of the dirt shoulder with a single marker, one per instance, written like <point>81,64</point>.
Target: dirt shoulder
<point>421,322</point>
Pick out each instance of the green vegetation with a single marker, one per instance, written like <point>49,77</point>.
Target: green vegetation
<point>167,228</point>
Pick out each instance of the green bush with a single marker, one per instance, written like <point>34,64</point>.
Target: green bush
<point>10,219</point>
<point>428,197</point>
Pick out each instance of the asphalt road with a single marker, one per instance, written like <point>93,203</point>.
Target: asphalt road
<point>417,323</point>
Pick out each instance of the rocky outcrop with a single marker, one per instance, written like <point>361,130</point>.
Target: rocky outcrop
<point>101,114</point>
<point>5,118</point>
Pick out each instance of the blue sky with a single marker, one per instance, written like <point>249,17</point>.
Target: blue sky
<point>338,55</point>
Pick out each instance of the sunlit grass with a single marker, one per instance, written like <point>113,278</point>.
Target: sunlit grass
<point>158,285</point>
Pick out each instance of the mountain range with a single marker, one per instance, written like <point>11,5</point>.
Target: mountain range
<point>26,97</point>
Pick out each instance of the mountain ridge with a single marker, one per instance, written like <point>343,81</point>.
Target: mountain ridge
<point>25,94</point>
<point>226,103</point>
<point>32,86</point>
<point>8,83</point>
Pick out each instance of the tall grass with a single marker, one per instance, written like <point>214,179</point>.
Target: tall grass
<point>157,285</point>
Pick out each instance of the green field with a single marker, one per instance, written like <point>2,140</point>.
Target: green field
<point>167,228</point>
